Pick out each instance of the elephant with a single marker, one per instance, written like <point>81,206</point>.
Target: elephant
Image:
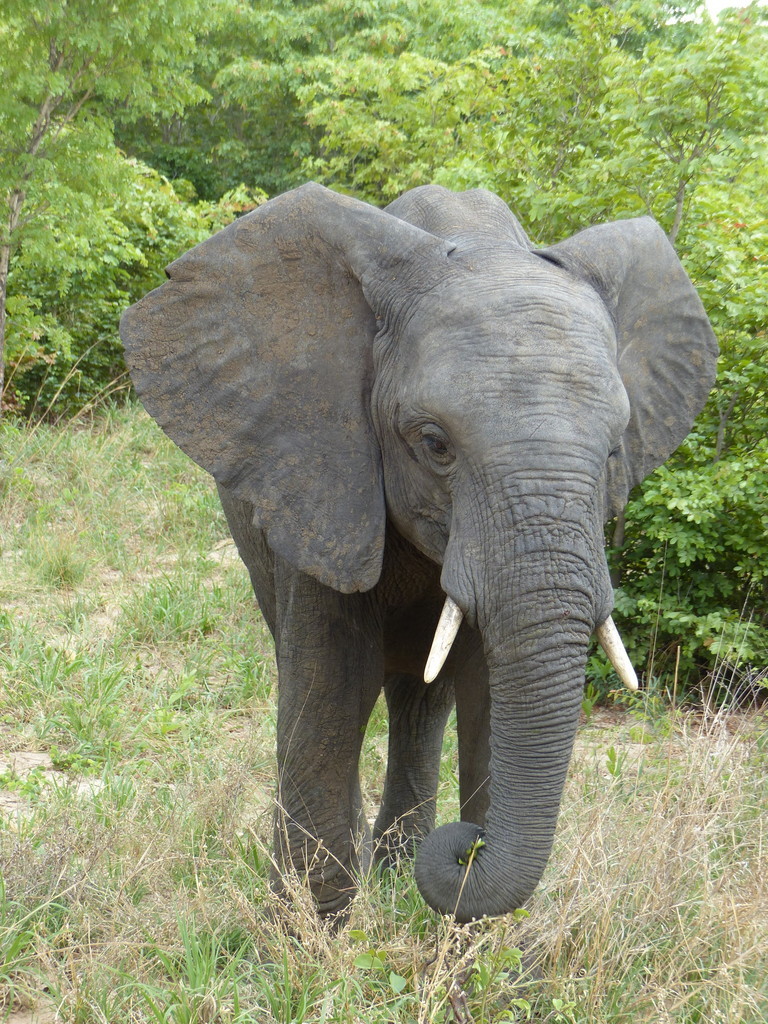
<point>412,409</point>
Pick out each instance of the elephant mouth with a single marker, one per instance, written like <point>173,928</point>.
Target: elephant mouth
<point>451,618</point>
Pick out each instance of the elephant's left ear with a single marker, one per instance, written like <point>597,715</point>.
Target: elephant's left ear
<point>667,350</point>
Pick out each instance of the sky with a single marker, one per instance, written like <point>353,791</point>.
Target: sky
<point>717,5</point>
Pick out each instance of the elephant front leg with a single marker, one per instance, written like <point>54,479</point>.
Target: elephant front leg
<point>417,717</point>
<point>330,674</point>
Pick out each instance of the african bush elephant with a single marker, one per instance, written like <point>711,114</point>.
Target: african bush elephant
<point>407,407</point>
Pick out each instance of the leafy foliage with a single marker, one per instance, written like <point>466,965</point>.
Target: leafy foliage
<point>64,309</point>
<point>694,562</point>
<point>574,112</point>
<point>614,111</point>
<point>65,67</point>
<point>253,125</point>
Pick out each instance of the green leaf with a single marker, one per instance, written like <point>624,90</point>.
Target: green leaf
<point>365,961</point>
<point>396,982</point>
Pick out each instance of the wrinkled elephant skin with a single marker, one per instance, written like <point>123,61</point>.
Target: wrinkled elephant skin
<point>404,405</point>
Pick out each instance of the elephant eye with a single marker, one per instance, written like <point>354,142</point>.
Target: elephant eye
<point>437,445</point>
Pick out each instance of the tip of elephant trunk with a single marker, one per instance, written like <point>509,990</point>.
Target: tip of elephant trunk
<point>459,876</point>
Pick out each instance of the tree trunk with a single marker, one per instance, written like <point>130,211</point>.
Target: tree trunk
<point>15,204</point>
<point>679,204</point>
<point>5,259</point>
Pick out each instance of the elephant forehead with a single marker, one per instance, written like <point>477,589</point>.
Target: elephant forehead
<point>528,338</point>
<point>508,314</point>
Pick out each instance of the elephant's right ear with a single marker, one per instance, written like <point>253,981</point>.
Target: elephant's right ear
<point>255,358</point>
<point>667,350</point>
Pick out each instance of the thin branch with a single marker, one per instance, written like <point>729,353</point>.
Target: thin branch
<point>72,113</point>
<point>41,208</point>
<point>679,203</point>
<point>617,542</point>
<point>723,423</point>
<point>15,204</point>
<point>457,996</point>
<point>42,123</point>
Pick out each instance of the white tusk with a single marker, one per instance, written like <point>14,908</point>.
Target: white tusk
<point>445,634</point>
<point>611,643</point>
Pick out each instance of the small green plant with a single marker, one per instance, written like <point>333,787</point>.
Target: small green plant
<point>89,715</point>
<point>29,785</point>
<point>653,714</point>
<point>378,972</point>
<point>289,993</point>
<point>72,761</point>
<point>17,949</point>
<point>497,970</point>
<point>171,609</point>
<point>471,853</point>
<point>14,482</point>
<point>615,761</point>
<point>589,700</point>
<point>203,979</point>
<point>563,1010</point>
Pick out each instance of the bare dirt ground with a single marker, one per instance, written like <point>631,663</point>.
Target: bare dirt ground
<point>23,764</point>
<point>32,1017</point>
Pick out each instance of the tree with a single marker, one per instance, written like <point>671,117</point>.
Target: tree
<point>615,111</point>
<point>67,64</point>
<point>254,126</point>
<point>694,557</point>
<point>66,301</point>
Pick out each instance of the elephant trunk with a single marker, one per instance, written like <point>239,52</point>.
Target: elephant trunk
<point>536,648</point>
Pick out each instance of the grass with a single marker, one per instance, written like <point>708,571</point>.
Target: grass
<point>136,764</point>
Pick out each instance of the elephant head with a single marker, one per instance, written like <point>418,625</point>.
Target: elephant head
<point>338,366</point>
